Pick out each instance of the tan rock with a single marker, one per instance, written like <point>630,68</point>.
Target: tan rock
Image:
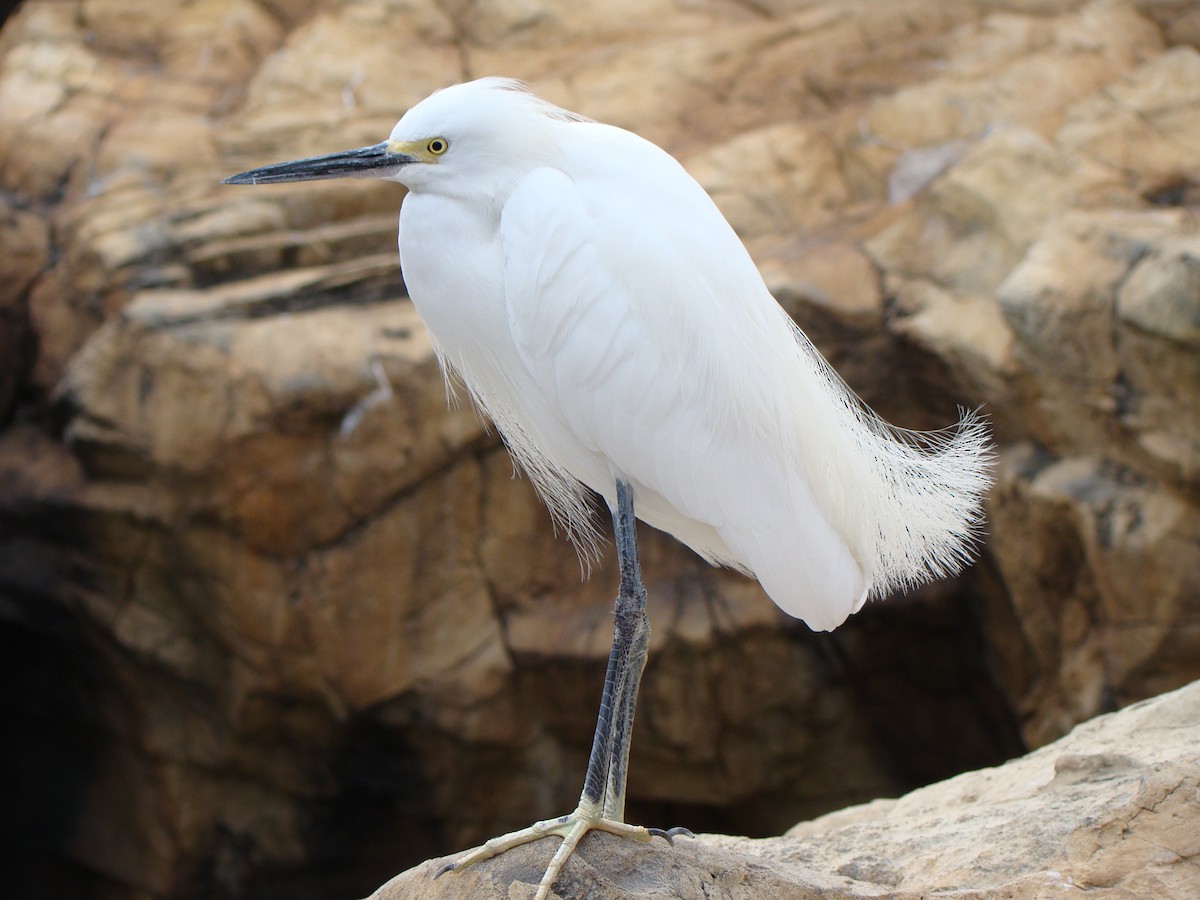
<point>975,223</point>
<point>305,620</point>
<point>1110,809</point>
<point>1122,373</point>
<point>1086,527</point>
<point>1018,69</point>
<point>1145,123</point>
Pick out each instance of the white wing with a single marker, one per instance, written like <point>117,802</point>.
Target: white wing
<point>652,337</point>
<point>646,328</point>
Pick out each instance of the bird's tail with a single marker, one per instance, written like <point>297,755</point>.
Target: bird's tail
<point>915,497</point>
<point>936,482</point>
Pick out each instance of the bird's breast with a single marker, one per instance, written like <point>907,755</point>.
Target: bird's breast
<point>454,271</point>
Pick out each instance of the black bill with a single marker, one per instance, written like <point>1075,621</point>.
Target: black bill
<point>365,162</point>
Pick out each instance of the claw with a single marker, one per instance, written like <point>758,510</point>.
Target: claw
<point>669,834</point>
<point>571,828</point>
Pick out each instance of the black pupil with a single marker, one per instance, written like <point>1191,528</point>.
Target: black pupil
<point>436,146</point>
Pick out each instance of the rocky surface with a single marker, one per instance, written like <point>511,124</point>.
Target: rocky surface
<point>1111,810</point>
<point>276,621</point>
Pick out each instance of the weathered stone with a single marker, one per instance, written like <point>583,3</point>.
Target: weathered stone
<point>1144,124</point>
<point>26,244</point>
<point>1110,809</point>
<point>1089,609</point>
<point>1101,307</point>
<point>276,621</point>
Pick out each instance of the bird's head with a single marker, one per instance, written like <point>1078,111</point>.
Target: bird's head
<point>475,138</point>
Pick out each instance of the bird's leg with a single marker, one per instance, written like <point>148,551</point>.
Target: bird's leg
<point>631,642</point>
<point>602,803</point>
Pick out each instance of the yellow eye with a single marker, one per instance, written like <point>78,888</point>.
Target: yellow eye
<point>437,146</point>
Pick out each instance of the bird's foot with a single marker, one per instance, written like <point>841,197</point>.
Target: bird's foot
<point>571,828</point>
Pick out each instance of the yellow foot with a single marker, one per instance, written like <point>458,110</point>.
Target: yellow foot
<point>570,828</point>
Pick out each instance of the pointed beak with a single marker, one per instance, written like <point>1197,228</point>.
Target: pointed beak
<point>376,161</point>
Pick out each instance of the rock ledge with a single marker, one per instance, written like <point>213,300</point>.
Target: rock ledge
<point>1113,809</point>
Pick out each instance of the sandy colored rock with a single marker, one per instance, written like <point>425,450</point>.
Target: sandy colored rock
<point>1111,809</point>
<point>1144,124</point>
<point>1101,366</point>
<point>278,621</point>
<point>1088,524</point>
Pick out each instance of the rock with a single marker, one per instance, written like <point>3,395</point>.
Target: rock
<point>25,240</point>
<point>1120,372</point>
<point>1142,126</point>
<point>1158,296</point>
<point>606,867</point>
<point>1113,809</point>
<point>277,621</point>
<point>1103,624</point>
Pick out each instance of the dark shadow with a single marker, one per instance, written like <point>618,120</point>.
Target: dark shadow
<point>50,691</point>
<point>919,669</point>
<point>375,826</point>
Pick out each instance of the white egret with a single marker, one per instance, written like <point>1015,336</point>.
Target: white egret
<point>606,317</point>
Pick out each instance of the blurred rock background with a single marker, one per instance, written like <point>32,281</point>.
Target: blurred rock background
<point>276,622</point>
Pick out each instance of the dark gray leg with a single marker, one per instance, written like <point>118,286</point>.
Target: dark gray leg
<point>604,784</point>
<point>602,803</point>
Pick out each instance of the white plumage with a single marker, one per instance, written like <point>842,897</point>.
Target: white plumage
<point>607,318</point>
<point>602,312</point>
